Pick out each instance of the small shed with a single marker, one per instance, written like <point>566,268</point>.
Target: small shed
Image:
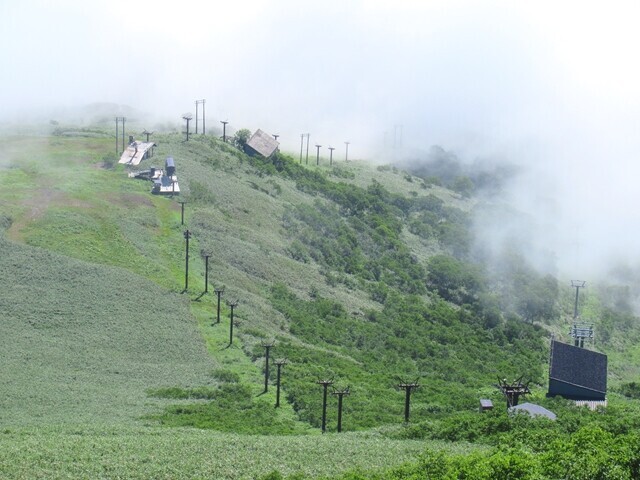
<point>485,404</point>
<point>262,144</point>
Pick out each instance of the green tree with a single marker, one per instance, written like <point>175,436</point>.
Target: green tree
<point>241,138</point>
<point>456,281</point>
<point>463,185</point>
<point>537,301</point>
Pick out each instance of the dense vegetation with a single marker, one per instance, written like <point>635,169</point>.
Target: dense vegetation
<point>408,339</point>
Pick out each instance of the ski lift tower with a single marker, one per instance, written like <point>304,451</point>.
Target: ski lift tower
<point>579,331</point>
<point>513,391</point>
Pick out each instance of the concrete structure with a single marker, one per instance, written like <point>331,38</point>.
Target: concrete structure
<point>261,143</point>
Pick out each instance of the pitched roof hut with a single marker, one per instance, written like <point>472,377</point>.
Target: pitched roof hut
<point>261,143</point>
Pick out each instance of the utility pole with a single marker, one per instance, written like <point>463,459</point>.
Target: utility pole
<point>224,130</point>
<point>200,102</point>
<point>232,305</point>
<point>218,291</point>
<point>187,117</point>
<point>187,236</point>
<point>206,272</point>
<point>346,154</point>
<point>408,387</point>
<point>577,284</point>
<point>267,346</point>
<point>397,138</point>
<point>118,119</point>
<point>340,394</point>
<point>147,134</point>
<point>275,137</point>
<point>124,119</point>
<point>279,363</point>
<point>318,154</point>
<point>331,149</point>
<point>197,103</point>
<point>182,202</point>
<point>325,384</point>
<point>307,160</point>
<point>301,146</point>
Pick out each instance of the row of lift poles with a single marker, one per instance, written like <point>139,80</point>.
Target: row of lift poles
<point>123,120</point>
<point>578,331</point>
<point>187,117</point>
<point>408,387</point>
<point>232,305</point>
<point>331,149</point>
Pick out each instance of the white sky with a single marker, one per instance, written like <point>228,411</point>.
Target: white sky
<point>552,85</point>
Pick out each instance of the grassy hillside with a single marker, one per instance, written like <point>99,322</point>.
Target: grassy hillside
<point>96,329</point>
<point>83,342</point>
<point>364,275</point>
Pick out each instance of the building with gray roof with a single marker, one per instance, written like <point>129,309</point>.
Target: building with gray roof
<point>261,143</point>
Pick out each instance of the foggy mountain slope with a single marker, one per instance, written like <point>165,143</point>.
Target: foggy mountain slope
<point>503,138</point>
<point>361,273</point>
<point>318,258</point>
<point>529,274</point>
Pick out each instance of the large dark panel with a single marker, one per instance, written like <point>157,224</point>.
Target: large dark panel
<point>577,372</point>
<point>573,392</point>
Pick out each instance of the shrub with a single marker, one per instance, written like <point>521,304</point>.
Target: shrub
<point>241,138</point>
<point>199,192</point>
<point>454,280</point>
<point>226,376</point>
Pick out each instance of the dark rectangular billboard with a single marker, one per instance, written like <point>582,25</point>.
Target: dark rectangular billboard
<point>577,372</point>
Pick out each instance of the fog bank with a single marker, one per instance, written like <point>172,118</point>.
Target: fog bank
<point>554,89</point>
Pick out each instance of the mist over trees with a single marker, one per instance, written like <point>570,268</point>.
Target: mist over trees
<point>494,261</point>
